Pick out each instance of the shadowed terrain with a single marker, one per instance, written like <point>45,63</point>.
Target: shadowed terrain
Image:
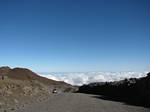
<point>132,91</point>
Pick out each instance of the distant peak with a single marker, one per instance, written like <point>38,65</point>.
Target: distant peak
<point>5,67</point>
<point>18,68</point>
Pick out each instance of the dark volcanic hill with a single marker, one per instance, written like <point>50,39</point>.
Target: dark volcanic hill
<point>4,70</point>
<point>133,90</point>
<point>21,86</point>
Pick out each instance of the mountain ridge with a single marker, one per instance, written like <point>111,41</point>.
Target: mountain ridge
<point>21,86</point>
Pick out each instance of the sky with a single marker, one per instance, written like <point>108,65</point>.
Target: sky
<point>75,35</point>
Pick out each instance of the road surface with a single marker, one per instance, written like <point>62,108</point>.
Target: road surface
<point>78,102</point>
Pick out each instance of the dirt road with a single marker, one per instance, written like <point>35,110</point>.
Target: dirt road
<point>77,102</point>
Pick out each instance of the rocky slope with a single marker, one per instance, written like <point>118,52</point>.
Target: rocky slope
<point>135,91</point>
<point>20,87</point>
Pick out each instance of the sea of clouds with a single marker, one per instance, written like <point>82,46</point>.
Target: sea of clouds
<point>80,78</point>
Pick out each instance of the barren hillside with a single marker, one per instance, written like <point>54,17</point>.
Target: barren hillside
<point>20,86</point>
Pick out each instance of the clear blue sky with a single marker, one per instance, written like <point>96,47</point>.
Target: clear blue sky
<point>75,35</point>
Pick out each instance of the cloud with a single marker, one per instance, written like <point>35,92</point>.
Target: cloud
<point>88,77</point>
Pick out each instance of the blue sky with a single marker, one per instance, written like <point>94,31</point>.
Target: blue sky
<point>75,35</point>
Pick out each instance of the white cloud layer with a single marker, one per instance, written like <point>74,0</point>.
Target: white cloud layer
<point>88,77</point>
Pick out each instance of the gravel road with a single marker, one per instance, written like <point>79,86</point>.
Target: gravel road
<point>77,102</point>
